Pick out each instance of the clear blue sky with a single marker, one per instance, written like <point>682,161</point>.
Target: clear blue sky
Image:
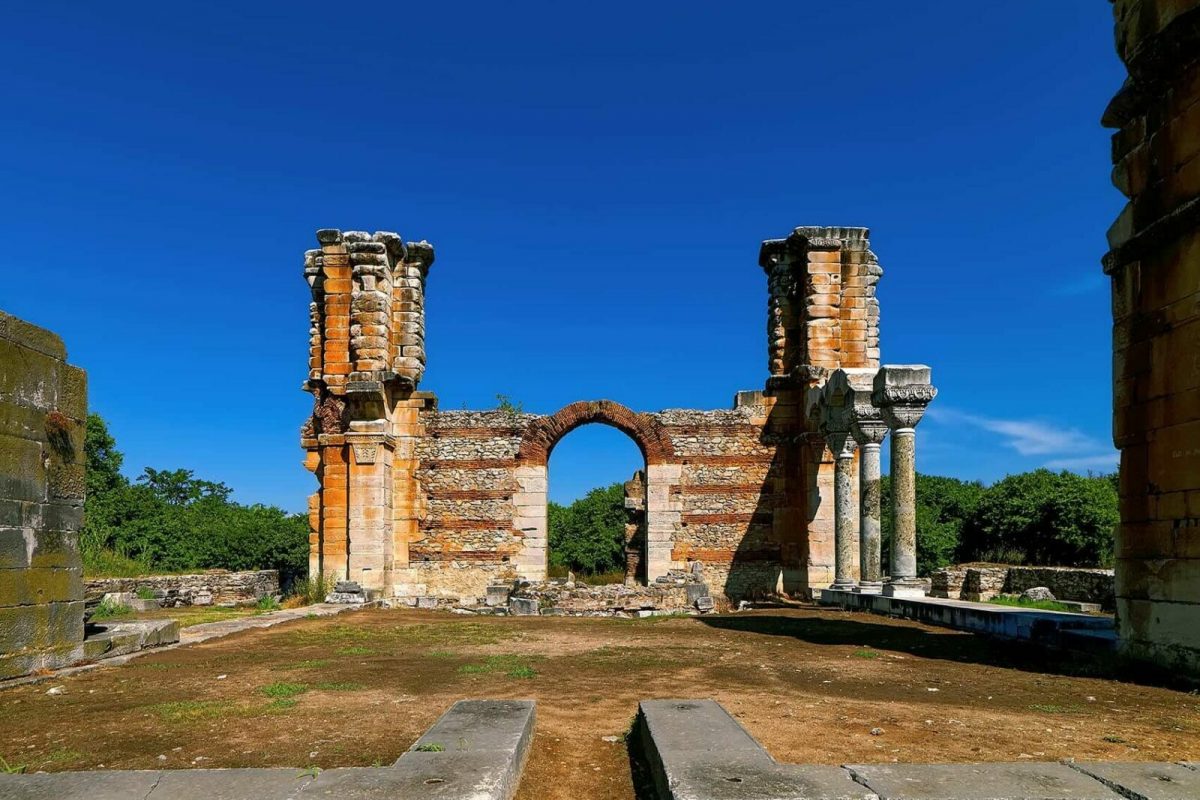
<point>596,183</point>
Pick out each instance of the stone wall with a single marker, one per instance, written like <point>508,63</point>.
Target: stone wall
<point>1154,263</point>
<point>415,501</point>
<point>981,582</point>
<point>43,415</point>
<point>214,587</point>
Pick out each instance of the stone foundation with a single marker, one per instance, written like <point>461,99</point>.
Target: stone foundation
<point>43,416</point>
<point>983,582</point>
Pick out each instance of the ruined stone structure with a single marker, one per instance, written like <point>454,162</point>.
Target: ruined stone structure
<point>415,501</point>
<point>1154,263</point>
<point>43,413</point>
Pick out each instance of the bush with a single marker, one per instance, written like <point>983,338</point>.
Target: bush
<point>1045,518</point>
<point>944,505</point>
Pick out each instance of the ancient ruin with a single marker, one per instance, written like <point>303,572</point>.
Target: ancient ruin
<point>1154,263</point>
<point>420,502</point>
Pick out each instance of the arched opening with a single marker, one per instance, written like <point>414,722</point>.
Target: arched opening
<point>596,488</point>
<point>661,506</point>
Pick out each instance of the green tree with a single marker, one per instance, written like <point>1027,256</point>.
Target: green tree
<point>588,536</point>
<point>103,459</point>
<point>1045,518</point>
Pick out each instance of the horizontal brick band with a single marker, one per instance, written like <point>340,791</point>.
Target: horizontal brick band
<point>417,553</point>
<point>768,554</point>
<point>718,489</point>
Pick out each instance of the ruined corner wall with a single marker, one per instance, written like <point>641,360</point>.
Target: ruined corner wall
<point>1154,263</point>
<point>43,417</point>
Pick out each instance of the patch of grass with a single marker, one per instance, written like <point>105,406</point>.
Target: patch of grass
<point>511,665</point>
<point>7,768</point>
<point>339,686</point>
<point>1021,602</point>
<point>312,663</point>
<point>192,710</point>
<point>282,704</point>
<point>313,589</point>
<point>283,689</point>
<point>356,650</point>
<point>111,610</point>
<point>310,772</point>
<point>1050,708</point>
<point>431,747</point>
<point>62,755</point>
<point>145,593</point>
<point>105,563</point>
<point>865,654</point>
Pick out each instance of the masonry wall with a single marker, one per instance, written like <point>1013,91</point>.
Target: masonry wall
<point>221,586</point>
<point>43,411</point>
<point>1154,263</point>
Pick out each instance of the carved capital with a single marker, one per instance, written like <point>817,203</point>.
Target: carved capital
<point>902,394</point>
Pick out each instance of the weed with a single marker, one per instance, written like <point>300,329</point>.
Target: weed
<point>313,589</point>
<point>510,665</point>
<point>339,686</point>
<point>10,769</point>
<point>268,602</point>
<point>283,690</point>
<point>311,616</point>
<point>432,747</point>
<point>191,710</point>
<point>312,663</point>
<point>311,772</point>
<point>145,593</point>
<point>111,610</point>
<point>865,654</point>
<point>356,650</point>
<point>1050,708</point>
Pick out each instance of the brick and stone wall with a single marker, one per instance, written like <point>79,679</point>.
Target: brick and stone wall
<point>415,501</point>
<point>1154,263</point>
<point>983,582</point>
<point>217,586</point>
<point>43,414</point>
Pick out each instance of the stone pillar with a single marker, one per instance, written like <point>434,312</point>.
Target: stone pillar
<point>868,429</point>
<point>663,512</point>
<point>836,419</point>
<point>902,392</point>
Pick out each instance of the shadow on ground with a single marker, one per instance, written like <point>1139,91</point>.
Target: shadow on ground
<point>859,629</point>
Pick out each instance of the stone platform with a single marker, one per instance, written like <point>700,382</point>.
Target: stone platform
<point>475,751</point>
<point>694,750</point>
<point>1084,632</point>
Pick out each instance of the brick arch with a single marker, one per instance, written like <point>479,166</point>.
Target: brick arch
<point>544,433</point>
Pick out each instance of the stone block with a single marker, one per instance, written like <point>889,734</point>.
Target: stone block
<point>231,784</point>
<point>130,785</point>
<point>497,595</point>
<point>1141,780</point>
<point>999,781</point>
<point>523,606</point>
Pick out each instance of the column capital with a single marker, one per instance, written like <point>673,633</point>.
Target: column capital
<point>902,392</point>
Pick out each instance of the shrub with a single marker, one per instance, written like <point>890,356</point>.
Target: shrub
<point>588,536</point>
<point>313,588</point>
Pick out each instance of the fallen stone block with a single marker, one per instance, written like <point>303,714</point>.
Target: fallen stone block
<point>1001,781</point>
<point>523,606</point>
<point>497,595</point>
<point>1145,780</point>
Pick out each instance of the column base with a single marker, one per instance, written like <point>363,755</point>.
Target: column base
<point>869,587</point>
<point>903,588</point>
<point>848,585</point>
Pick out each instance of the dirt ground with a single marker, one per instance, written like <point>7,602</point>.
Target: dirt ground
<point>357,689</point>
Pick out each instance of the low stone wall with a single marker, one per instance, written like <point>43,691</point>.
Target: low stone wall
<point>982,583</point>
<point>209,588</point>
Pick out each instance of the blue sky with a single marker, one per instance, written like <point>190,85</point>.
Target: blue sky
<point>596,183</point>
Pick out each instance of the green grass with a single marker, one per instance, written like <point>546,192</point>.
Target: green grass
<point>432,747</point>
<point>192,710</point>
<point>104,563</point>
<point>283,689</point>
<point>866,654</point>
<point>313,589</point>
<point>339,686</point>
<point>110,610</point>
<point>267,602</point>
<point>1020,602</point>
<point>7,768</point>
<point>511,665</point>
<point>145,593</point>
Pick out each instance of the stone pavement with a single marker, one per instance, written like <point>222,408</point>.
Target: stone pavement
<point>475,751</point>
<point>694,750</point>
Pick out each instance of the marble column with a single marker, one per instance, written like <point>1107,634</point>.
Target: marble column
<point>868,429</point>
<point>902,393</point>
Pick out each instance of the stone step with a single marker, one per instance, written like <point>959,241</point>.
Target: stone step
<point>475,751</point>
<point>1001,781</point>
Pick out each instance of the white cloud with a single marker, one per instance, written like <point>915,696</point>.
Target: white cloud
<point>1069,448</point>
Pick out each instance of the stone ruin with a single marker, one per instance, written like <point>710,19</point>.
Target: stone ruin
<point>433,506</point>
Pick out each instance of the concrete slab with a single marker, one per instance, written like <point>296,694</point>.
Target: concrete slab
<point>1000,781</point>
<point>231,784</point>
<point>1145,780</point>
<point>694,750</point>
<point>480,725</point>
<point>125,785</point>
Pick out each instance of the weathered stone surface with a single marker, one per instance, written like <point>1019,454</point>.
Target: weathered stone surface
<point>231,784</point>
<point>522,606</point>
<point>1142,780</point>
<point>1000,781</point>
<point>1037,593</point>
<point>79,786</point>
<point>213,586</point>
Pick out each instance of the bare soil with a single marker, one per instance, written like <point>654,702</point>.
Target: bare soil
<point>357,689</point>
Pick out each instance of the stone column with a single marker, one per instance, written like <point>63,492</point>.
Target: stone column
<point>902,392</point>
<point>869,429</point>
<point>836,417</point>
